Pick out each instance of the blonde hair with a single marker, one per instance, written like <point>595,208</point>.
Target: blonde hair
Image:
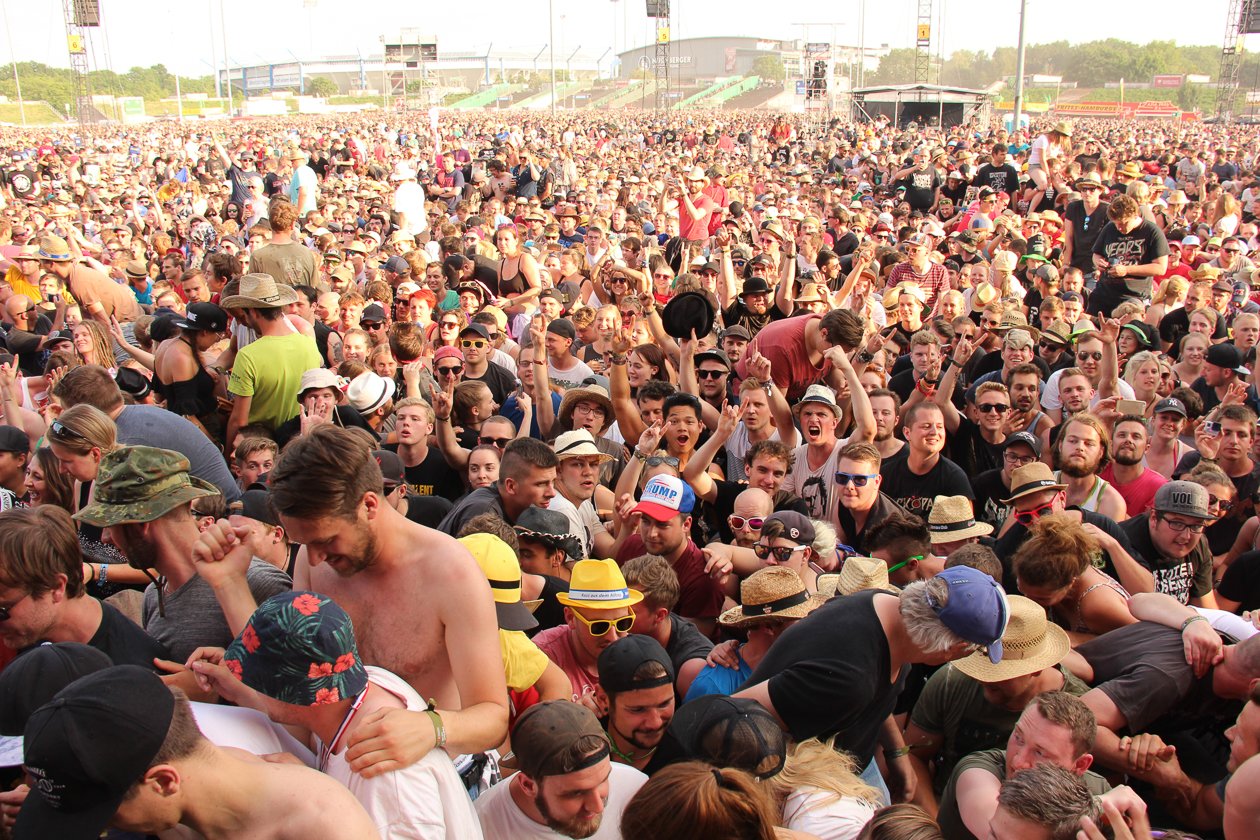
<point>89,428</point>
<point>1171,290</point>
<point>818,764</point>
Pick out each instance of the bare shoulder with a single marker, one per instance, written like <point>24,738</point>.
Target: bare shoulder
<point>316,807</point>
<point>441,556</point>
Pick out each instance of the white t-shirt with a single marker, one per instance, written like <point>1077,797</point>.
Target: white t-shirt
<point>737,447</point>
<point>584,522</point>
<point>808,810</point>
<point>502,819</point>
<point>426,801</point>
<point>1050,394</point>
<point>247,729</point>
<point>817,488</point>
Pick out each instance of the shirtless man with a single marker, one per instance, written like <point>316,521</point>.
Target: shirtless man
<point>119,748</point>
<point>420,605</point>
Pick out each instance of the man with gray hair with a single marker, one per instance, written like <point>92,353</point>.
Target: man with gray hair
<point>1044,802</point>
<point>816,688</point>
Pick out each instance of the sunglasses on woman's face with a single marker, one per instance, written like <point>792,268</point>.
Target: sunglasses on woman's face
<point>782,553</point>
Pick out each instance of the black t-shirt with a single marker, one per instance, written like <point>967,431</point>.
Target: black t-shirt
<point>686,642</point>
<point>921,186</point>
<point>1182,578</point>
<point>715,526</point>
<point>1006,546</point>
<point>432,476</point>
<point>498,379</point>
<point>970,451</point>
<point>989,490</point>
<point>1085,230</point>
<point>1142,245</point>
<point>1241,581</point>
<point>1004,178</point>
<point>902,384</point>
<point>850,535</point>
<point>550,612</point>
<point>124,641</point>
<point>820,688</point>
<point>916,493</point>
<point>428,511</point>
<point>1223,532</point>
<point>846,244</point>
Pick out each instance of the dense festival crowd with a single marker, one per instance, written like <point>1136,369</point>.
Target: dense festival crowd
<point>740,475</point>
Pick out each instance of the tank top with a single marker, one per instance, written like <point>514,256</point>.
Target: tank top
<point>515,284</point>
<point>1090,502</point>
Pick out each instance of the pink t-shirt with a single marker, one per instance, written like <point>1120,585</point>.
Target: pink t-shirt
<point>693,229</point>
<point>1138,495</point>
<point>783,343</point>
<point>555,642</point>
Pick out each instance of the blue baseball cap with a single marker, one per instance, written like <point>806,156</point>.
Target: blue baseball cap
<point>976,608</point>
<point>665,497</point>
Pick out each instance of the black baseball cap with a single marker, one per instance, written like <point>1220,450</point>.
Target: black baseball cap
<point>87,747</point>
<point>133,382</point>
<point>730,732</point>
<point>207,317</point>
<point>479,329</point>
<point>373,313</point>
<point>1226,356</point>
<point>716,355</point>
<point>255,504</point>
<point>618,662</point>
<point>1027,439</point>
<point>36,676</point>
<point>13,439</point>
<point>562,328</point>
<point>1170,405</point>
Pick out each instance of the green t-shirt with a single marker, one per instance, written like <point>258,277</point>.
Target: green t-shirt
<point>270,371</point>
<point>992,761</point>
<point>952,705</point>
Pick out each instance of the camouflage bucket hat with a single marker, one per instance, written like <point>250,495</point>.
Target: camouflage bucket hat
<point>139,484</point>
<point>298,648</point>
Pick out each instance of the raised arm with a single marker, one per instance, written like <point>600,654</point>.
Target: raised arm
<point>696,472</point>
<point>1108,385</point>
<point>628,419</point>
<point>543,408</point>
<point>760,368</point>
<point>944,396</point>
<point>726,270</point>
<point>863,417</point>
<point>442,399</point>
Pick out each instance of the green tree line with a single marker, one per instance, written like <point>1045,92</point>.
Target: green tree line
<point>1092,64</point>
<point>55,85</point>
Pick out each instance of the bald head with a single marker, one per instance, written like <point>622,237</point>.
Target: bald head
<point>16,309</point>
<point>753,502</point>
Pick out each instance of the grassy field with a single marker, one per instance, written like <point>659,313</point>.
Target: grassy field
<point>37,113</point>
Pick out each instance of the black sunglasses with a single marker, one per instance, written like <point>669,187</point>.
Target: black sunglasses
<point>711,374</point>
<point>451,370</point>
<point>62,430</point>
<point>989,408</point>
<point>500,443</point>
<point>6,608</point>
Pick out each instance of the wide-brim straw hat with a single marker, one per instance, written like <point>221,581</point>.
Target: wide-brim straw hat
<point>771,594</point>
<point>952,519</point>
<point>259,291</point>
<point>1030,644</point>
<point>856,575</point>
<point>1032,478</point>
<point>587,393</point>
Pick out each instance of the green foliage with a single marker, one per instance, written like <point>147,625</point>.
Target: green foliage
<point>55,84</point>
<point>321,86</point>
<point>1091,64</point>
<point>769,67</point>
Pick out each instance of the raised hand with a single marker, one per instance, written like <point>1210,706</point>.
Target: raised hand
<point>759,367</point>
<point>441,400</point>
<point>223,552</point>
<point>1109,330</point>
<point>650,440</point>
<point>729,419</point>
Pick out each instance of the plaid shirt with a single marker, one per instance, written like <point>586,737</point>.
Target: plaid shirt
<point>934,283</point>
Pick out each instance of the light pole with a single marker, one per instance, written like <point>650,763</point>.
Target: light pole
<point>227,68</point>
<point>17,83</point>
<point>1019,68</point>
<point>551,29</point>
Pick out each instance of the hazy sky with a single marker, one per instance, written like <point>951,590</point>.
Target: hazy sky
<point>178,33</point>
